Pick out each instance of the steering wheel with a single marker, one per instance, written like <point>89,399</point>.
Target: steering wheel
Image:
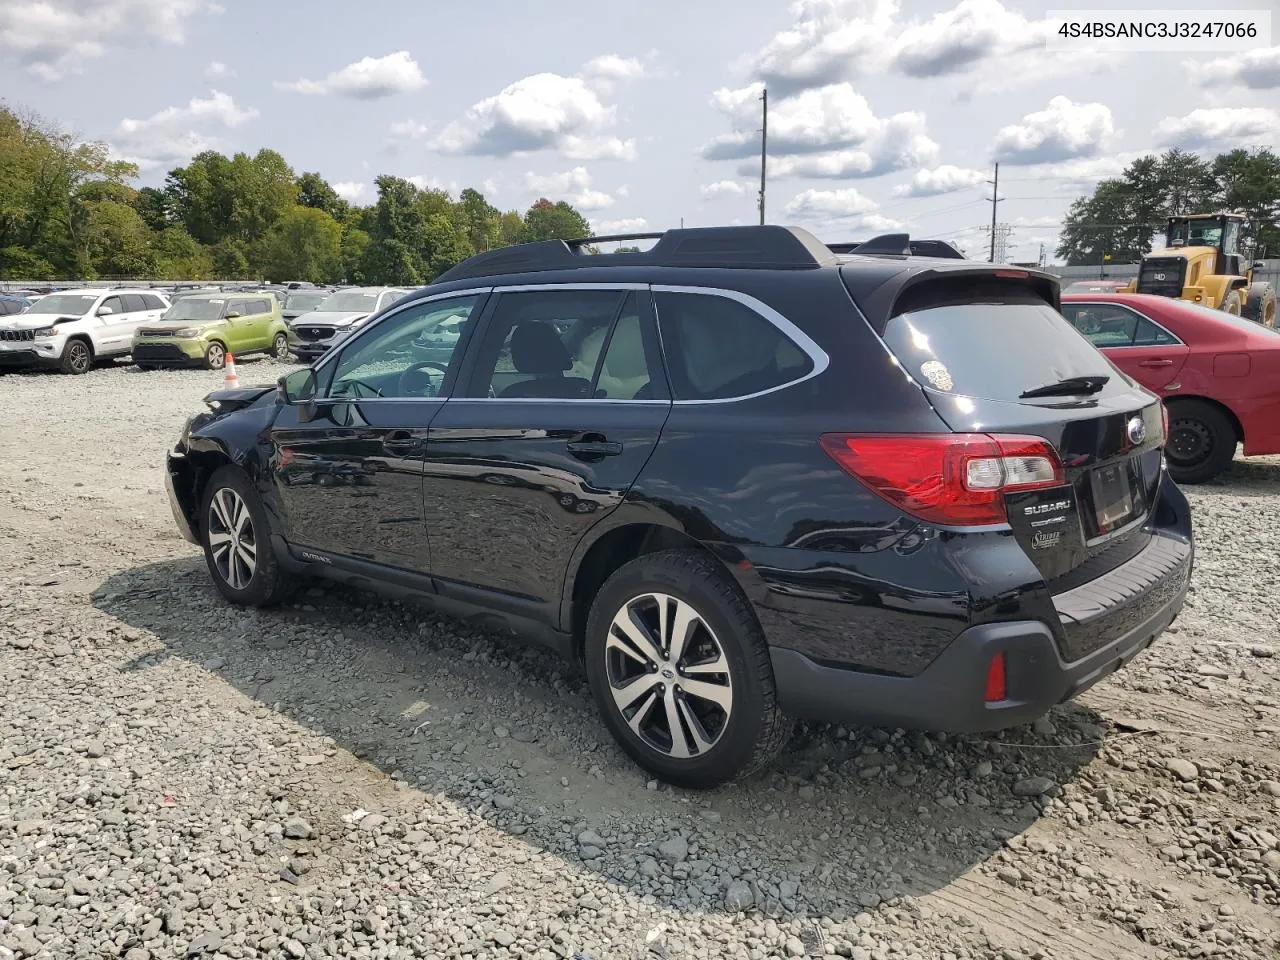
<point>417,381</point>
<point>357,384</point>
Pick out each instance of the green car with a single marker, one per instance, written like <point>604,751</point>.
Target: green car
<point>203,329</point>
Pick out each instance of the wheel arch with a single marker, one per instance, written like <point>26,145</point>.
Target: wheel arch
<point>597,559</point>
<point>1173,402</point>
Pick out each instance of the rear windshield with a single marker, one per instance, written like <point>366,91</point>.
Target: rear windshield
<point>992,350</point>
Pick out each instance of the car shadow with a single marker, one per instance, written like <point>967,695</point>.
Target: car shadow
<point>509,732</point>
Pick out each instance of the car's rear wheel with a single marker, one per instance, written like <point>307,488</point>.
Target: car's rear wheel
<point>680,671</point>
<point>1202,441</point>
<point>280,347</point>
<point>237,542</point>
<point>215,356</point>
<point>77,357</point>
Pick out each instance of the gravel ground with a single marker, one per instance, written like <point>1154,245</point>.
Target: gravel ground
<point>349,777</point>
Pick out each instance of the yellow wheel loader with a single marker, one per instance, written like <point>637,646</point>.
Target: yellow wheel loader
<point>1201,262</point>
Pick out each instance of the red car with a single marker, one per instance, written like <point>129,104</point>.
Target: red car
<point>1219,375</point>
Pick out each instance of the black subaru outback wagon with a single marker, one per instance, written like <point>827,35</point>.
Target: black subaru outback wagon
<point>740,476</point>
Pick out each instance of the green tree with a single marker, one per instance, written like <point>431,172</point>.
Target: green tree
<point>510,228</point>
<point>304,244</point>
<point>481,220</point>
<point>153,207</point>
<point>553,221</point>
<point>1249,182</point>
<point>231,260</point>
<point>118,240</point>
<point>179,257</point>
<point>397,239</point>
<point>354,244</point>
<point>314,191</point>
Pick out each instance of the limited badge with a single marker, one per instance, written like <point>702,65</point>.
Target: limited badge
<point>937,374</point>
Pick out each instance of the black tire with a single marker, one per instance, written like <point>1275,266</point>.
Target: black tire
<point>1202,441</point>
<point>77,357</point>
<point>1233,303</point>
<point>267,583</point>
<point>215,356</point>
<point>280,347</point>
<point>754,729</point>
<point>1260,305</point>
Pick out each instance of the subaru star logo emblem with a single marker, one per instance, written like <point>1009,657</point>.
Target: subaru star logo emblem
<point>1137,430</point>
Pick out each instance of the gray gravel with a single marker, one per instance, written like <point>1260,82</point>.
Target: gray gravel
<point>349,777</point>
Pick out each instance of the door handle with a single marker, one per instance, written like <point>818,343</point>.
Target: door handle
<point>593,446</point>
<point>398,444</point>
<point>1155,363</point>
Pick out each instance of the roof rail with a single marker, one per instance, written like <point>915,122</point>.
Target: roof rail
<point>766,247</point>
<point>899,245</point>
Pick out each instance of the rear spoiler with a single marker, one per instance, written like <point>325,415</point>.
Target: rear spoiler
<point>898,245</point>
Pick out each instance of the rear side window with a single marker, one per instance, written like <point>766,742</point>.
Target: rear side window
<point>720,349</point>
<point>995,351</point>
<point>133,302</point>
<point>1109,325</point>
<point>152,301</point>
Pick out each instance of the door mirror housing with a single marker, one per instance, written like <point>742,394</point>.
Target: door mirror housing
<point>297,388</point>
<point>1259,265</point>
<point>105,311</point>
<point>233,314</point>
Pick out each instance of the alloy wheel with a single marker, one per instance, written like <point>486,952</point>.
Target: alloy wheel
<point>281,347</point>
<point>668,675</point>
<point>78,355</point>
<point>216,356</point>
<point>232,539</point>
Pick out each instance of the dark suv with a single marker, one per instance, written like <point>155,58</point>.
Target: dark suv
<point>739,476</point>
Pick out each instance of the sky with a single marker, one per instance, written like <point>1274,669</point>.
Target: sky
<point>883,116</point>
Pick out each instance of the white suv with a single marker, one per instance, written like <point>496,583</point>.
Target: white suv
<point>71,329</point>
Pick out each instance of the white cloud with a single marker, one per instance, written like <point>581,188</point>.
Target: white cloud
<point>1074,175</point>
<point>434,183</point>
<point>940,180</point>
<point>602,73</point>
<point>1254,69</point>
<point>52,38</point>
<point>828,132</point>
<point>1220,127</point>
<point>367,79</point>
<point>1062,131</point>
<point>178,133</point>
<point>545,111</point>
<point>408,130</point>
<point>838,40</point>
<point>491,187</point>
<point>573,186</point>
<point>350,190</point>
<point>829,205</point>
<point>722,188</point>
<point>215,69</point>
<point>625,225</point>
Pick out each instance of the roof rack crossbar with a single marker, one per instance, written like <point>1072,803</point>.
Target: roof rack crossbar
<point>763,247</point>
<point>899,245</point>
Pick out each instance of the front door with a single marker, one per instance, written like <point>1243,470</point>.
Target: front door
<point>561,407</point>
<point>347,469</point>
<point>116,327</point>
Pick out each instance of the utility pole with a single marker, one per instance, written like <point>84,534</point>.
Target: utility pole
<point>995,199</point>
<point>764,146</point>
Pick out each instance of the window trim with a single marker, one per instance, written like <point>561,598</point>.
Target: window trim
<point>1177,341</point>
<point>788,329</point>
<point>395,309</point>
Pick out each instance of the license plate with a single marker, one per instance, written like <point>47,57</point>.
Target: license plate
<point>1112,495</point>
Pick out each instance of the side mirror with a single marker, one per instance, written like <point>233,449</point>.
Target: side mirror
<point>297,387</point>
<point>1259,265</point>
<point>233,315</point>
<point>104,311</point>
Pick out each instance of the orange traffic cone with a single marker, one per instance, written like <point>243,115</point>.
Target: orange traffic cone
<point>230,381</point>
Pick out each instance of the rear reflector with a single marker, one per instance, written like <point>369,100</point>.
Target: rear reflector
<point>1164,423</point>
<point>996,680</point>
<point>955,479</point>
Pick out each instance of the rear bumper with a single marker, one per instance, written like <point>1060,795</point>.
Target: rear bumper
<point>1144,594</point>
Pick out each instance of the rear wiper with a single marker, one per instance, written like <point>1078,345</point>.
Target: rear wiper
<point>1066,387</point>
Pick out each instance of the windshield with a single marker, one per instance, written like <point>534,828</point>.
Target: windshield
<point>304,301</point>
<point>996,351</point>
<point>72,304</point>
<point>193,309</point>
<point>350,301</point>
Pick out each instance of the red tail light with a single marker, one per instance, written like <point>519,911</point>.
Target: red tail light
<point>955,479</point>
<point>996,680</point>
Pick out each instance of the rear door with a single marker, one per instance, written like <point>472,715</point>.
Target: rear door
<point>347,469</point>
<point>1135,343</point>
<point>562,405</point>
<point>994,357</point>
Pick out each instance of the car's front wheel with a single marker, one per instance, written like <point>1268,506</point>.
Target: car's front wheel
<point>280,347</point>
<point>77,357</point>
<point>237,542</point>
<point>215,356</point>
<point>680,671</point>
